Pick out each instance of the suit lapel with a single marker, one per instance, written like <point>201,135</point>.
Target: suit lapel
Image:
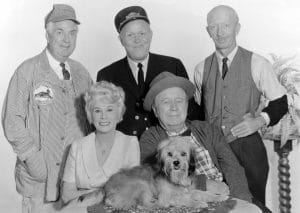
<point>152,70</point>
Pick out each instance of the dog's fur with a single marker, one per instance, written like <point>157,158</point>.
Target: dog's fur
<point>171,185</point>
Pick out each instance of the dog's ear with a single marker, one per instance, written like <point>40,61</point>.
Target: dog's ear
<point>154,162</point>
<point>192,164</point>
<point>158,164</point>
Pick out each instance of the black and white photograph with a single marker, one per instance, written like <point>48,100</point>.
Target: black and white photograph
<point>144,106</point>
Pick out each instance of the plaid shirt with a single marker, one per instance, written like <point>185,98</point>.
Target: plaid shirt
<point>204,163</point>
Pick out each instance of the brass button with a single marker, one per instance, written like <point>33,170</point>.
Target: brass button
<point>137,117</point>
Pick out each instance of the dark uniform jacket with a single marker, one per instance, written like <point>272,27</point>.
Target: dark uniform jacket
<point>136,119</point>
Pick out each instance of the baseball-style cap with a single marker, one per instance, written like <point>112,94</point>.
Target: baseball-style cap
<point>61,12</point>
<point>130,14</point>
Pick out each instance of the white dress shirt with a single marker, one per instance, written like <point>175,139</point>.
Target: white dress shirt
<point>55,65</point>
<point>262,73</point>
<point>134,67</point>
<point>82,166</point>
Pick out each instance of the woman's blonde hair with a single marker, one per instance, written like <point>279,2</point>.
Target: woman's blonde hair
<point>107,92</point>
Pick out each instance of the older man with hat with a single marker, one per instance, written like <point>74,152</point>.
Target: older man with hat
<point>135,71</point>
<point>43,112</point>
<point>214,161</point>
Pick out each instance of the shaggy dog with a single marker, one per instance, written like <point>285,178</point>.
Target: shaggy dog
<point>171,185</point>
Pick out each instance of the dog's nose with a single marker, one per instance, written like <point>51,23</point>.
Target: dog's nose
<point>176,163</point>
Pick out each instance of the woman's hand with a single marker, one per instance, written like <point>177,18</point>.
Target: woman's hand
<point>91,198</point>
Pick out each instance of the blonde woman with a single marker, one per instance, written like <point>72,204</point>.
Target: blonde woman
<point>94,158</point>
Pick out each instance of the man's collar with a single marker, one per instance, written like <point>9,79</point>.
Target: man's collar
<point>55,65</point>
<point>134,64</point>
<point>230,56</point>
<point>52,61</point>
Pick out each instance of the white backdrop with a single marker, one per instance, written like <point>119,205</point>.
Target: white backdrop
<point>269,26</point>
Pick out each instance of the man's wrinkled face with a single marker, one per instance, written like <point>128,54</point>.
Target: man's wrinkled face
<point>136,38</point>
<point>170,107</point>
<point>223,28</point>
<point>61,37</point>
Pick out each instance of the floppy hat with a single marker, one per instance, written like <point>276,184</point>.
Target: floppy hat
<point>164,81</point>
<point>61,12</point>
<point>130,14</point>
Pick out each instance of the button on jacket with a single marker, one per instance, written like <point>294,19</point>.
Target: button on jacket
<point>136,119</point>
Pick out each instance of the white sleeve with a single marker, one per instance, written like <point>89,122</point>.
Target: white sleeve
<point>198,77</point>
<point>265,78</point>
<point>69,171</point>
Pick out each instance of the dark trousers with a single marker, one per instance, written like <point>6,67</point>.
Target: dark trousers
<point>251,154</point>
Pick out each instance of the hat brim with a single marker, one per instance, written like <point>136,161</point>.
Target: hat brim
<point>132,19</point>
<point>63,19</point>
<point>166,83</point>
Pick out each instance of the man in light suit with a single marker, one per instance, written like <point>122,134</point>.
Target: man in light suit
<point>43,112</point>
<point>135,71</point>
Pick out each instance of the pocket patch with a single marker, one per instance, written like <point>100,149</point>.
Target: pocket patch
<point>43,94</point>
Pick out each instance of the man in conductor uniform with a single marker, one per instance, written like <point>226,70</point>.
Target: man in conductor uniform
<point>135,71</point>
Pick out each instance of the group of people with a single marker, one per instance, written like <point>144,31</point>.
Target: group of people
<point>70,134</point>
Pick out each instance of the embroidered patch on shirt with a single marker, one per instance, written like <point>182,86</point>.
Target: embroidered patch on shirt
<point>43,94</point>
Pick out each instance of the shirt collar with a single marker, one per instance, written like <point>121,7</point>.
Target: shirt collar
<point>54,64</point>
<point>134,66</point>
<point>230,56</point>
<point>172,134</point>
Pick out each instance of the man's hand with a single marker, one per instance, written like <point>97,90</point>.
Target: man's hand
<point>248,126</point>
<point>217,187</point>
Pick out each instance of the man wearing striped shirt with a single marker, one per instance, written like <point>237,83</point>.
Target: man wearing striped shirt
<point>43,112</point>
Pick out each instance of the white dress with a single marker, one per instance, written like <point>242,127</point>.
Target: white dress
<point>82,165</point>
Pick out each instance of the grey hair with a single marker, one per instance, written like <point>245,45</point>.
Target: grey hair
<point>50,26</point>
<point>108,91</point>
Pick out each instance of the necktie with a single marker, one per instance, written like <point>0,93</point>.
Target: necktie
<point>65,72</point>
<point>140,77</point>
<point>224,67</point>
